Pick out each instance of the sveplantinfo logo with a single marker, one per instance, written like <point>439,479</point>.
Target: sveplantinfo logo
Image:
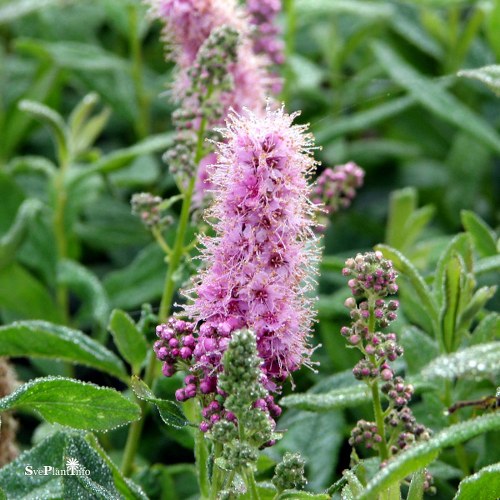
<point>73,468</point>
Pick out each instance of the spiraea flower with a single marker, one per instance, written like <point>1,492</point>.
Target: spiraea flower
<point>336,187</point>
<point>259,266</point>
<point>266,32</point>
<point>260,261</point>
<point>189,23</point>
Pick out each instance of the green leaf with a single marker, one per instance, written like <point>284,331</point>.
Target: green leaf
<point>73,403</point>
<point>419,348</point>
<point>54,120</point>
<point>141,281</point>
<point>482,485</point>
<point>318,438</point>
<point>127,488</point>
<point>170,413</point>
<point>403,265</point>
<point>305,8</point>
<point>87,286</point>
<point>129,340</point>
<point>474,306</point>
<point>40,339</point>
<point>25,296</point>
<point>54,452</point>
<point>333,400</point>
<point>449,313</point>
<point>477,362</point>
<point>422,454</point>
<point>362,120</point>
<point>488,265</point>
<point>13,239</point>
<point>489,75</point>
<point>483,236</point>
<point>18,8</point>
<point>121,158</point>
<point>401,206</point>
<point>18,122</point>
<point>416,223</point>
<point>487,330</point>
<point>461,244</point>
<point>302,495</point>
<point>416,491</point>
<point>434,98</point>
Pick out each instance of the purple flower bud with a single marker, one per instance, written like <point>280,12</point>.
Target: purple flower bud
<point>186,352</point>
<point>180,395</point>
<point>204,426</point>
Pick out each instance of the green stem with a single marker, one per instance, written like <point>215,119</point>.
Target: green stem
<point>377,405</point>
<point>60,232</point>
<point>142,123</point>
<point>217,477</point>
<point>136,427</point>
<point>460,453</point>
<point>379,419</point>
<point>291,24</point>
<point>251,485</point>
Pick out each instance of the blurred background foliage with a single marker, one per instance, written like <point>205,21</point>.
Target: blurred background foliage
<point>376,80</point>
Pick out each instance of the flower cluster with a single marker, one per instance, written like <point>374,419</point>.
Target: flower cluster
<point>266,33</point>
<point>187,26</point>
<point>148,208</point>
<point>289,473</point>
<point>257,267</point>
<point>247,425</point>
<point>372,279</point>
<point>336,188</point>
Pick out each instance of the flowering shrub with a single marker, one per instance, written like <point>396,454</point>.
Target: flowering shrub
<point>194,305</point>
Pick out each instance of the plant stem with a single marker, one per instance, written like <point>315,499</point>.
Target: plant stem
<point>377,405</point>
<point>60,232</point>
<point>142,123</point>
<point>379,418</point>
<point>460,453</point>
<point>136,427</point>
<point>252,485</point>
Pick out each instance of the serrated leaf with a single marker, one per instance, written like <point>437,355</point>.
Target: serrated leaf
<point>40,339</point>
<point>87,286</point>
<point>422,454</point>
<point>170,413</point>
<point>403,265</point>
<point>434,98</point>
<point>483,236</point>
<point>54,452</point>
<point>73,403</point>
<point>489,75</point>
<point>481,485</point>
<point>129,340</point>
<point>478,361</point>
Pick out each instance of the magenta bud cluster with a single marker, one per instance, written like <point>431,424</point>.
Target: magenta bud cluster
<point>336,187</point>
<point>365,433</point>
<point>371,274</point>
